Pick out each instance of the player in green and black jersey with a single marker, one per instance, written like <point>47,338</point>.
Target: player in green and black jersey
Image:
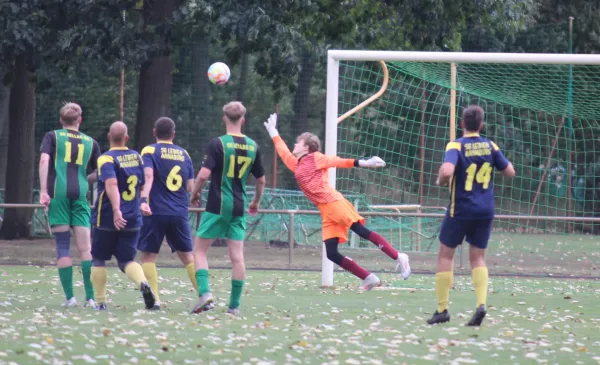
<point>228,162</point>
<point>67,157</point>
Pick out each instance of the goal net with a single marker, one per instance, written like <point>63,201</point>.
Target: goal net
<point>541,110</point>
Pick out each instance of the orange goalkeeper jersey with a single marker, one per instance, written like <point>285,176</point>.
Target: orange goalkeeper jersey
<point>311,172</point>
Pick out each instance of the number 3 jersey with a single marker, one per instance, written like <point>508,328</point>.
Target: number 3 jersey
<point>71,154</point>
<point>172,167</point>
<point>127,167</point>
<point>472,187</point>
<point>231,158</point>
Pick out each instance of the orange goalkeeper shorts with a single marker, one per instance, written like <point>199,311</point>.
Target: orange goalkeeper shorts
<point>337,218</point>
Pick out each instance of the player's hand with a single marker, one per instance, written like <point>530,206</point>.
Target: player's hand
<point>253,208</point>
<point>45,200</point>
<point>372,162</point>
<point>196,200</point>
<point>145,209</point>
<point>271,125</point>
<point>118,220</point>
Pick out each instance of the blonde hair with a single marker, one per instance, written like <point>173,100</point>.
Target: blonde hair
<point>312,141</point>
<point>70,113</point>
<point>234,111</point>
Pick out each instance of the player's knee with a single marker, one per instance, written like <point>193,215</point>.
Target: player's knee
<point>360,230</point>
<point>236,257</point>
<point>98,263</point>
<point>63,244</point>
<point>122,265</point>
<point>333,254</point>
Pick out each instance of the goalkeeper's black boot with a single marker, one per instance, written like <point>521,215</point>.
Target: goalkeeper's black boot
<point>439,317</point>
<point>478,316</point>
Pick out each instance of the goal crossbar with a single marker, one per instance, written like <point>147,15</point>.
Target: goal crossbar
<point>464,57</point>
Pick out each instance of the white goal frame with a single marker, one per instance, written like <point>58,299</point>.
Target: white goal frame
<point>451,58</point>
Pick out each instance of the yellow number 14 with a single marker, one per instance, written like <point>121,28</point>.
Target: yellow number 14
<point>483,176</point>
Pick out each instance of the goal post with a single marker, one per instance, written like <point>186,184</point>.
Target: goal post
<point>524,96</point>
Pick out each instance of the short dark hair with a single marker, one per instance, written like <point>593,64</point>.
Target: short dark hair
<point>164,128</point>
<point>473,117</point>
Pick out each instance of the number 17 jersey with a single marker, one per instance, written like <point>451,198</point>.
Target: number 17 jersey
<point>172,168</point>
<point>231,158</point>
<point>472,189</point>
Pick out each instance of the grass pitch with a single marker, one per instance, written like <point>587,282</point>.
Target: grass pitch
<point>288,319</point>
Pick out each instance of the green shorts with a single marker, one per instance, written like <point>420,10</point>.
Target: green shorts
<point>69,212</point>
<point>218,226</point>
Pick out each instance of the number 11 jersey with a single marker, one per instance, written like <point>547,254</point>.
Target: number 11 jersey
<point>231,158</point>
<point>472,189</point>
<point>172,167</point>
<point>71,153</point>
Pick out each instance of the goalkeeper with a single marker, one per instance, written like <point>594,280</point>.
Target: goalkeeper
<point>338,215</point>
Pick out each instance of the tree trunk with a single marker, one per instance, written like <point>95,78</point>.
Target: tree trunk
<point>21,154</point>
<point>156,79</point>
<point>204,127</point>
<point>302,96</point>
<point>243,78</point>
<point>4,99</point>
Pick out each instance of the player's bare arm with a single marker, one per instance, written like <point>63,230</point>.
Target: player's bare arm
<point>189,186</point>
<point>112,191</point>
<point>146,189</point>
<point>509,171</point>
<point>93,177</point>
<point>201,180</point>
<point>43,172</point>
<point>445,174</point>
<point>261,182</point>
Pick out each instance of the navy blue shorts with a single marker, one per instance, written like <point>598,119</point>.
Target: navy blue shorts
<point>476,231</point>
<point>120,244</point>
<point>176,229</point>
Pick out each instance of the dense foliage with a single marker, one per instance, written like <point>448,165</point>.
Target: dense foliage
<point>75,50</point>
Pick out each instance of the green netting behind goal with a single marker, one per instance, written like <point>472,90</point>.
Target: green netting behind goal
<point>543,117</point>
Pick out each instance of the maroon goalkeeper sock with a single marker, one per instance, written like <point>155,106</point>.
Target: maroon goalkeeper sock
<point>349,265</point>
<point>383,245</point>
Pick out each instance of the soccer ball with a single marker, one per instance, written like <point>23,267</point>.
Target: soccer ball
<point>218,73</point>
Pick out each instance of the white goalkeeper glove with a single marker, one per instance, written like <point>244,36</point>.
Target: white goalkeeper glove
<point>372,162</point>
<point>271,125</point>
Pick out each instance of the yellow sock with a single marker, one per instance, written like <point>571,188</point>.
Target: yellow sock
<point>99,278</point>
<point>135,272</point>
<point>152,276</point>
<point>480,282</point>
<point>191,271</point>
<point>443,283</point>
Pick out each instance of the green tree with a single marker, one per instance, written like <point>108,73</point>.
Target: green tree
<point>26,29</point>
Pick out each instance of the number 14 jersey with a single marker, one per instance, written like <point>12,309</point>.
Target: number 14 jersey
<point>472,189</point>
<point>231,158</point>
<point>172,167</point>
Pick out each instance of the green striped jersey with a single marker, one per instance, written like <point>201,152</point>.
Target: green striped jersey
<point>71,154</point>
<point>231,158</point>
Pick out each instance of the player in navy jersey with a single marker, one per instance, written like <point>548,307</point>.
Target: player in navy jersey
<point>169,177</point>
<point>116,216</point>
<point>468,166</point>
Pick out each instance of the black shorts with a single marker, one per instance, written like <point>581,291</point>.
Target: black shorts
<point>476,231</point>
<point>120,244</point>
<point>176,229</point>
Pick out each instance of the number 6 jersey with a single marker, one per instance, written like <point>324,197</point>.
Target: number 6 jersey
<point>172,167</point>
<point>71,153</point>
<point>472,189</point>
<point>231,158</point>
<point>127,167</point>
